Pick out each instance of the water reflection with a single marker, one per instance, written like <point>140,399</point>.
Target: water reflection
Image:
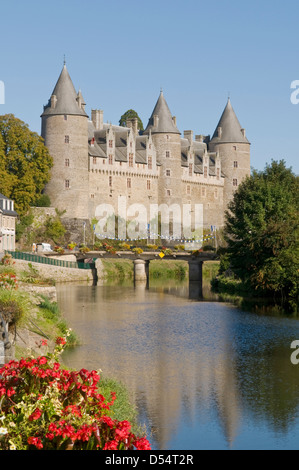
<point>203,374</point>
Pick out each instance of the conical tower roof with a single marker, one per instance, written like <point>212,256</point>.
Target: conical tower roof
<point>231,130</point>
<point>66,97</point>
<point>164,122</point>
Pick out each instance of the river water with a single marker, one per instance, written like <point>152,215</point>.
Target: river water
<point>203,374</point>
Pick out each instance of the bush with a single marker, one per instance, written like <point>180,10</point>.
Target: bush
<point>50,408</point>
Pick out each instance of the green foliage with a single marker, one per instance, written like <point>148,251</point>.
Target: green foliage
<point>23,224</point>
<point>42,201</point>
<point>262,228</point>
<point>25,163</point>
<point>54,229</point>
<point>129,115</point>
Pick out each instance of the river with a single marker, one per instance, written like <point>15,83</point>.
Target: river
<point>203,374</point>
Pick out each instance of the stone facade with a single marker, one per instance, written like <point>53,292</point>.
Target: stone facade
<point>96,163</point>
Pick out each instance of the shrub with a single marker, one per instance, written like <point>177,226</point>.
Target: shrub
<point>137,250</point>
<point>50,408</point>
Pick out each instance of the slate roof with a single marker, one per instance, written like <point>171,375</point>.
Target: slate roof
<point>231,128</point>
<point>165,121</point>
<point>66,97</point>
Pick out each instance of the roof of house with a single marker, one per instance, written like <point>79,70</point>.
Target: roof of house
<point>231,128</point>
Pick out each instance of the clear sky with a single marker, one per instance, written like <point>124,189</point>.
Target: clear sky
<point>120,53</point>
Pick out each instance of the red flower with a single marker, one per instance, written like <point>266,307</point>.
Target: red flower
<point>110,445</point>
<point>35,415</point>
<point>142,444</point>
<point>60,341</point>
<point>35,441</point>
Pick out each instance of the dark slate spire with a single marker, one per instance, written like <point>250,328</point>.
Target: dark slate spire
<point>229,129</point>
<point>161,120</point>
<point>64,99</point>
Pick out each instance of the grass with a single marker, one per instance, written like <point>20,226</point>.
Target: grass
<point>168,269</point>
<point>120,269</point>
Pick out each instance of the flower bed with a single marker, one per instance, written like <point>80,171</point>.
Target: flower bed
<point>43,406</point>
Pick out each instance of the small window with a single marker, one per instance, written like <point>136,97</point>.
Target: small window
<point>67,162</point>
<point>110,159</point>
<point>110,181</point>
<point>235,164</point>
<point>203,192</point>
<point>190,169</point>
<point>218,173</point>
<point>167,172</point>
<point>150,163</point>
<point>167,154</point>
<point>65,117</point>
<point>205,171</point>
<point>67,184</point>
<point>168,192</point>
<point>104,161</point>
<point>130,159</point>
<point>66,139</point>
<point>110,144</point>
<point>188,189</point>
<point>235,182</point>
<point>94,160</point>
<point>235,147</point>
<point>129,183</point>
<point>148,184</point>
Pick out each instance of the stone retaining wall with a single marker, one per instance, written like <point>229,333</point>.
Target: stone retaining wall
<point>56,272</point>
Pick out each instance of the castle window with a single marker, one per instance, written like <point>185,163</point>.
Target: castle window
<point>104,161</point>
<point>167,172</point>
<point>190,169</point>
<point>92,196</point>
<point>150,146</point>
<point>218,173</point>
<point>67,184</point>
<point>129,183</point>
<point>110,144</point>
<point>203,192</point>
<point>235,147</point>
<point>168,192</point>
<point>131,144</point>
<point>94,160</point>
<point>150,163</point>
<point>167,154</point>
<point>66,139</point>
<point>205,171</point>
<point>67,162</point>
<point>120,163</point>
<point>65,117</point>
<point>235,182</point>
<point>110,159</point>
<point>130,159</point>
<point>148,184</point>
<point>235,164</point>
<point>188,190</point>
<point>110,181</point>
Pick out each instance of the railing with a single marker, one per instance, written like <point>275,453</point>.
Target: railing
<point>50,261</point>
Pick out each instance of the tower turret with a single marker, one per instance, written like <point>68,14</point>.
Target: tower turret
<point>230,141</point>
<point>65,131</point>
<point>167,141</point>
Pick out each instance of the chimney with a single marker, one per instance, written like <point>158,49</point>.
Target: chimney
<point>188,135</point>
<point>97,117</point>
<point>132,123</point>
<point>53,101</point>
<point>199,138</point>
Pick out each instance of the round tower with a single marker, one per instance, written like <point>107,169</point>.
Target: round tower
<point>167,141</point>
<point>230,141</point>
<point>65,131</point>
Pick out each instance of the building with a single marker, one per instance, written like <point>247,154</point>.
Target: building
<point>7,224</point>
<point>97,162</point>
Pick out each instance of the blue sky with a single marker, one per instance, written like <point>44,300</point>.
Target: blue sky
<point>120,53</point>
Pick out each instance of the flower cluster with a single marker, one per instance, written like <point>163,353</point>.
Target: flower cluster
<point>43,406</point>
<point>8,281</point>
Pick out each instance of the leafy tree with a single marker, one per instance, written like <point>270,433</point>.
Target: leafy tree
<point>262,228</point>
<point>130,114</point>
<point>25,162</point>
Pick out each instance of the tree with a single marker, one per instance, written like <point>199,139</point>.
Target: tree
<point>25,163</point>
<point>130,114</point>
<point>262,228</point>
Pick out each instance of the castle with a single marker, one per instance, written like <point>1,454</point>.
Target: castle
<point>96,162</point>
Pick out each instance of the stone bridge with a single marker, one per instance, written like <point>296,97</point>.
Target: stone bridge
<point>142,262</point>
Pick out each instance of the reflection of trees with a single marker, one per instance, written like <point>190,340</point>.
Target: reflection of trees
<point>269,386</point>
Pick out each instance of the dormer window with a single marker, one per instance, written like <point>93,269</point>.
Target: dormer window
<point>67,139</point>
<point>65,117</point>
